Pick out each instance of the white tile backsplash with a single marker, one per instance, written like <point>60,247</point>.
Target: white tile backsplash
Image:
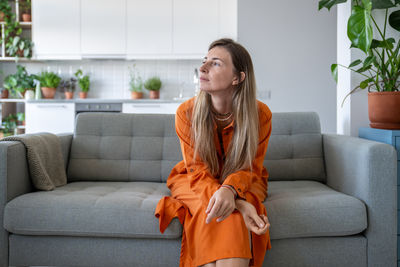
<point>110,78</point>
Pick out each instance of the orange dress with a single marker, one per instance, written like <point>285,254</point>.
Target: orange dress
<point>192,186</point>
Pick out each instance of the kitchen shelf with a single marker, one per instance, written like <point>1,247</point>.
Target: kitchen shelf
<point>25,26</point>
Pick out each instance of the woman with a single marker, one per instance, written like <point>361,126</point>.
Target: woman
<point>218,189</point>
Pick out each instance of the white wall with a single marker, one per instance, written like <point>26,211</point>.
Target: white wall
<point>292,45</point>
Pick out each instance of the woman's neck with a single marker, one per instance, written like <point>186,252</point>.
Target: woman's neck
<point>222,103</point>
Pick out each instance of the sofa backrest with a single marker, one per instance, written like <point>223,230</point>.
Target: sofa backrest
<point>145,147</point>
<point>295,147</point>
<point>123,147</point>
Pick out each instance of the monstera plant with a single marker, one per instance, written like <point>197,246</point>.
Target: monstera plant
<point>381,65</point>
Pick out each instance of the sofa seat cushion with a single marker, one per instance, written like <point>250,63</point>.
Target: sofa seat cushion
<point>311,209</point>
<point>106,209</point>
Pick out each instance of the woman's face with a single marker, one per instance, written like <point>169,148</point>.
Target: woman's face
<point>216,73</point>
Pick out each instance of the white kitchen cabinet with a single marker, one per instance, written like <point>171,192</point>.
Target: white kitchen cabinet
<point>196,25</point>
<point>150,108</point>
<point>49,117</point>
<point>149,28</point>
<point>56,29</point>
<point>103,28</point>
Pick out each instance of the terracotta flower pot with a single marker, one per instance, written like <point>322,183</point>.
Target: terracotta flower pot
<point>83,94</point>
<point>1,16</point>
<point>69,95</point>
<point>4,94</point>
<point>154,94</point>
<point>26,17</point>
<point>48,92</point>
<point>136,95</point>
<point>384,110</point>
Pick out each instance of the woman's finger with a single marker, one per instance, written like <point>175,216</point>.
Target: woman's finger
<point>213,212</point>
<point>225,214</point>
<point>210,204</point>
<point>257,219</point>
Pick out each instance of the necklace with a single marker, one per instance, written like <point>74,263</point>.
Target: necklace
<point>224,119</point>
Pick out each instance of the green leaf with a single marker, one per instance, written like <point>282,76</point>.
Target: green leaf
<point>363,84</point>
<point>368,61</point>
<point>394,20</point>
<point>367,4</point>
<point>329,3</point>
<point>362,69</point>
<point>382,4</point>
<point>359,29</point>
<point>334,72</point>
<point>355,63</point>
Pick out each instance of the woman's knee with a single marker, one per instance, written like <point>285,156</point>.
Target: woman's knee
<point>233,262</point>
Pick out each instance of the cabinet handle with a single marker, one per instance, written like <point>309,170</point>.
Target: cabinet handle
<point>51,106</point>
<point>146,106</point>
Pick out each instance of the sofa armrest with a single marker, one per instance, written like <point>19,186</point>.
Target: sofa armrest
<point>14,181</point>
<point>367,170</point>
<point>66,140</point>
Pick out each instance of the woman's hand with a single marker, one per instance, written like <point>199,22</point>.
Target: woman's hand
<point>221,205</point>
<point>258,224</point>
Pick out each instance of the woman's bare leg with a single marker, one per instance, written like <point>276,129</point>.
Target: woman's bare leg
<point>211,264</point>
<point>233,262</point>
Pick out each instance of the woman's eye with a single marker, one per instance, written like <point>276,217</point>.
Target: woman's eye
<point>216,64</point>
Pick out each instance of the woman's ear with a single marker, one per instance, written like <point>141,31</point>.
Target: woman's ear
<point>242,77</point>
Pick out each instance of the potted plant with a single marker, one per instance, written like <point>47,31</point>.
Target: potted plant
<point>49,82</point>
<point>153,84</point>
<point>68,87</point>
<point>9,124</point>
<point>19,82</point>
<point>19,47</point>
<point>20,118</point>
<point>381,67</point>
<point>25,7</point>
<point>135,83</point>
<point>84,83</point>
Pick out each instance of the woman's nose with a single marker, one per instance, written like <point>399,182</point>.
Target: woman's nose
<point>203,67</point>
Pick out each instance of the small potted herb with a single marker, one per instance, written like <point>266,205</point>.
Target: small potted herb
<point>68,87</point>
<point>153,84</point>
<point>84,83</point>
<point>135,84</point>
<point>49,82</point>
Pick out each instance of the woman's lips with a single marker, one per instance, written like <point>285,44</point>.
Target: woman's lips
<point>203,79</point>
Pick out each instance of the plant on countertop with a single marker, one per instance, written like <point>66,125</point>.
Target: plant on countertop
<point>68,85</point>
<point>83,81</point>
<point>49,79</point>
<point>135,83</point>
<point>153,84</point>
<point>19,82</point>
<point>381,67</point>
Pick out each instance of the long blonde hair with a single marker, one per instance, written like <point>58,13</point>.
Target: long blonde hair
<point>243,147</point>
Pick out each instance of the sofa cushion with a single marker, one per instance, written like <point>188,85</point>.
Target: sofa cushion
<point>107,209</point>
<point>295,147</point>
<point>310,209</point>
<point>126,209</point>
<point>123,147</point>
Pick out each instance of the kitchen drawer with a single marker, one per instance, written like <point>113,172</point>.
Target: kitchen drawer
<point>150,108</point>
<point>50,117</point>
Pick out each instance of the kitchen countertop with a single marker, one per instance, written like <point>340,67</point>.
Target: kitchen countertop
<point>99,100</point>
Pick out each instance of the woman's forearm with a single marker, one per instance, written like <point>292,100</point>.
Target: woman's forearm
<point>239,204</point>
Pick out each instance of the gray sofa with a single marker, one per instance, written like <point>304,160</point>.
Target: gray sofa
<point>332,199</point>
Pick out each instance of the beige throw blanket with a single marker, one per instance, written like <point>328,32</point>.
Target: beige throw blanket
<point>45,159</point>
